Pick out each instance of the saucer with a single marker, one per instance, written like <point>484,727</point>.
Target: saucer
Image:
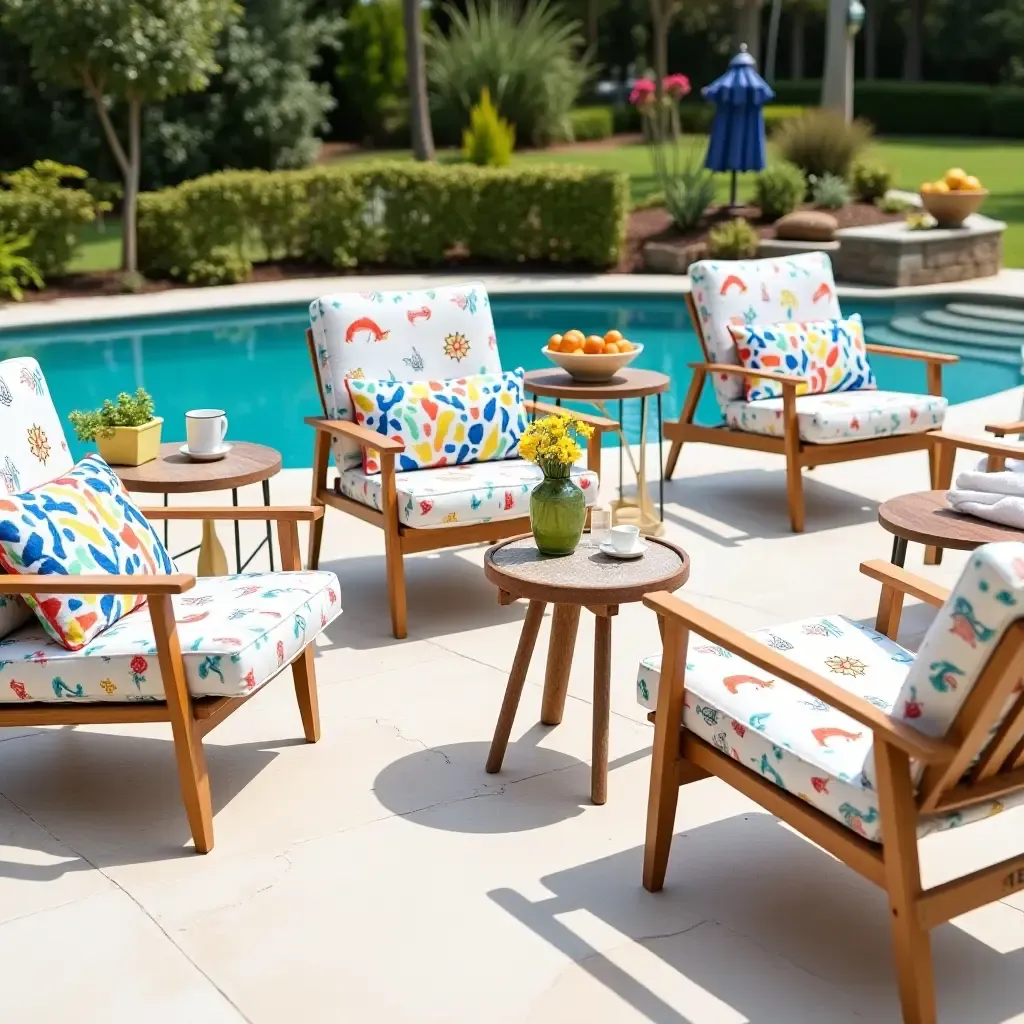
<point>638,549</point>
<point>213,456</point>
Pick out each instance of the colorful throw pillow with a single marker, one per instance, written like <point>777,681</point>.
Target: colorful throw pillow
<point>830,354</point>
<point>82,523</point>
<point>446,423</point>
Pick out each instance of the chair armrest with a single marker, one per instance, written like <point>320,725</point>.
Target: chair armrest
<point>978,444</point>
<point>346,428</point>
<point>144,583</point>
<point>893,576</point>
<point>742,371</point>
<point>923,355</point>
<point>279,514</point>
<point>918,745</point>
<point>1001,429</point>
<point>599,423</point>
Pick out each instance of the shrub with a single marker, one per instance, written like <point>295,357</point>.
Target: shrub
<point>222,266</point>
<point>779,189</point>
<point>401,214</point>
<point>489,139</point>
<point>38,206</point>
<point>821,142</point>
<point>689,193</point>
<point>870,181</point>
<point>733,240</point>
<point>829,191</point>
<point>129,411</point>
<point>894,204</point>
<point>528,59</point>
<point>1006,112</point>
<point>16,271</point>
<point>591,123</point>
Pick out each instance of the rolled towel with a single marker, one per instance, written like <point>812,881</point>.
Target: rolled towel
<point>1009,481</point>
<point>1008,510</point>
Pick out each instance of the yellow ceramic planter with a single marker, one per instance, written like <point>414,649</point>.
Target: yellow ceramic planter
<point>132,446</point>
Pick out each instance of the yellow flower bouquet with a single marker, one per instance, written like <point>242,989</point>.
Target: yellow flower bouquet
<point>558,507</point>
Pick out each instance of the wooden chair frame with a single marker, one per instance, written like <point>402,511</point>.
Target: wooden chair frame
<point>191,718</point>
<point>799,454</point>
<point>951,777</point>
<point>399,539</point>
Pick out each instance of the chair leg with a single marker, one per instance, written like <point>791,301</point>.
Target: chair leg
<point>395,567</point>
<point>794,471</point>
<point>911,945</point>
<point>304,677</point>
<point>321,455</point>
<point>673,457</point>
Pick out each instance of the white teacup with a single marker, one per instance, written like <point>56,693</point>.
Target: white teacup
<point>624,538</point>
<point>205,430</point>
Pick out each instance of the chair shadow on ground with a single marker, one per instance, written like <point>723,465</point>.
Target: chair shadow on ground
<point>457,795</point>
<point>746,903</point>
<point>446,593</point>
<point>114,799</point>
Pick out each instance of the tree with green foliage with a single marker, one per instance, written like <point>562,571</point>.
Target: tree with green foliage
<point>130,52</point>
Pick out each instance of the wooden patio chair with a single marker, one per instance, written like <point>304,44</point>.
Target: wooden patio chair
<point>217,640</point>
<point>431,334</point>
<point>856,743</point>
<point>809,430</point>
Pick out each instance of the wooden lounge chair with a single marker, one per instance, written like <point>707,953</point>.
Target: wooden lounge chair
<point>213,649</point>
<point>386,335</point>
<point>809,430</point>
<point>853,741</point>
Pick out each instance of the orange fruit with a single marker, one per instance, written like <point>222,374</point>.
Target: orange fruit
<point>625,346</point>
<point>955,178</point>
<point>611,349</point>
<point>555,342</point>
<point>593,345</point>
<point>927,187</point>
<point>573,338</point>
<point>971,184</point>
<point>940,186</point>
<point>613,337</point>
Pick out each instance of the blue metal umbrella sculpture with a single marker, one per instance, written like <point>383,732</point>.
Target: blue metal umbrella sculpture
<point>737,132</point>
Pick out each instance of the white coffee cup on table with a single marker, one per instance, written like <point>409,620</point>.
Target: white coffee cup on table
<point>205,430</point>
<point>624,538</point>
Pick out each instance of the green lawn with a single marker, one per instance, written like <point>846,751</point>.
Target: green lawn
<point>997,163</point>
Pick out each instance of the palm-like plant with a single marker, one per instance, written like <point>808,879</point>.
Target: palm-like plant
<point>531,62</point>
<point>16,271</point>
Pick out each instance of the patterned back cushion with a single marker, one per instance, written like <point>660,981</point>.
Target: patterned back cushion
<point>443,423</point>
<point>82,523</point>
<point>32,450</point>
<point>435,334</point>
<point>987,598</point>
<point>829,353</point>
<point>772,291</point>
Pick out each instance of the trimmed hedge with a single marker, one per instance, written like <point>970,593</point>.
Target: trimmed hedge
<point>695,116</point>
<point>925,108</point>
<point>399,214</point>
<point>52,218</point>
<point>591,123</point>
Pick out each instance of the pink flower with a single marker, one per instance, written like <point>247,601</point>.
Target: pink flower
<point>643,92</point>
<point>676,86</point>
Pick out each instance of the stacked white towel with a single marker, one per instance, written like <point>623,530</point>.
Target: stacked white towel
<point>998,497</point>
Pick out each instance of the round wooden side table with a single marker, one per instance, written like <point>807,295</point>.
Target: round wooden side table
<point>627,383</point>
<point>173,473</point>
<point>926,518</point>
<point>585,579</point>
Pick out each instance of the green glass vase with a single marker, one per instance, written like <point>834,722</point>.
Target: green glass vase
<point>558,512</point>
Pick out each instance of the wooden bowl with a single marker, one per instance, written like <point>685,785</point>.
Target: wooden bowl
<point>951,209</point>
<point>592,369</point>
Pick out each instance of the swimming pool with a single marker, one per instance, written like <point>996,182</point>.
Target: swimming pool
<point>254,362</point>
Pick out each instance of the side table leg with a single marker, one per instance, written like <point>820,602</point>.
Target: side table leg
<point>602,708</point>
<point>564,624</point>
<point>212,560</point>
<point>514,690</point>
<point>899,551</point>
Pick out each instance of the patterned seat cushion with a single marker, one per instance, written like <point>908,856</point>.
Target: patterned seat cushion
<point>478,492</point>
<point>770,291</point>
<point>33,449</point>
<point>844,416</point>
<point>803,745</point>
<point>236,633</point>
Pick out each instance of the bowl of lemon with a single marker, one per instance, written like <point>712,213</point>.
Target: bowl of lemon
<point>591,359</point>
<point>953,198</point>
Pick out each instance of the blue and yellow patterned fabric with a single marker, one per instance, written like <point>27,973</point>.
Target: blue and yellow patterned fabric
<point>81,523</point>
<point>443,423</point>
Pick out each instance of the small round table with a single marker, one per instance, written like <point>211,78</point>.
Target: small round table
<point>926,518</point>
<point>173,473</point>
<point>585,579</point>
<point>627,383</point>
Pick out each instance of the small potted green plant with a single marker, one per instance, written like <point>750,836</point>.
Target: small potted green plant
<point>126,431</point>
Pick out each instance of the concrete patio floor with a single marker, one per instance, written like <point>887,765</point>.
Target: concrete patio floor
<point>382,876</point>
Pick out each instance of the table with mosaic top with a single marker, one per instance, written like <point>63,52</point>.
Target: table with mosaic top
<point>585,579</point>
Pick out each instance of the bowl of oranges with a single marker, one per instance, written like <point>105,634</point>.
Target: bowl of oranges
<point>591,358</point>
<point>953,198</point>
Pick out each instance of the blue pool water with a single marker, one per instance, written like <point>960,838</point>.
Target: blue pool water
<point>254,363</point>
